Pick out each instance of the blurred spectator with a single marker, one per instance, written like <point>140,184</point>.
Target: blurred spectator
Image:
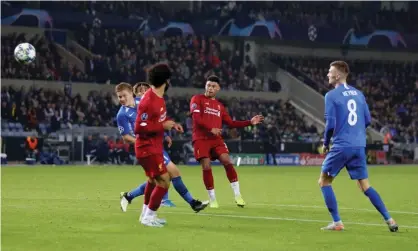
<point>390,89</point>
<point>48,64</point>
<point>50,111</point>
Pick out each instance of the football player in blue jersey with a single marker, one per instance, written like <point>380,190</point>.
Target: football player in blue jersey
<point>126,123</point>
<point>347,116</point>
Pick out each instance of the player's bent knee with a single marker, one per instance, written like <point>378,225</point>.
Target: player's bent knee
<point>205,164</point>
<point>325,180</point>
<point>173,170</point>
<point>363,184</point>
<point>226,162</point>
<point>151,180</point>
<point>224,159</point>
<point>163,180</point>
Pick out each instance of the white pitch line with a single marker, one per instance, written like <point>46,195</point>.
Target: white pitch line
<point>340,208</point>
<point>282,219</point>
<point>249,217</point>
<point>249,205</point>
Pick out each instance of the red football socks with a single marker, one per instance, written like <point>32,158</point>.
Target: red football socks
<point>148,191</point>
<point>156,198</point>
<point>231,173</point>
<point>208,179</point>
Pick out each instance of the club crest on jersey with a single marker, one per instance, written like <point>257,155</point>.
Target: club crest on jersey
<point>194,106</point>
<point>144,116</point>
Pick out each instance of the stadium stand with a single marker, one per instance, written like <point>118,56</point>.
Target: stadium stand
<point>127,55</point>
<point>391,89</point>
<point>48,111</point>
<point>124,55</point>
<point>362,16</point>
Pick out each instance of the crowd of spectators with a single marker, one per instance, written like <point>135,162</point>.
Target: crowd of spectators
<point>124,56</point>
<point>49,65</point>
<point>391,90</point>
<point>48,111</point>
<point>359,15</point>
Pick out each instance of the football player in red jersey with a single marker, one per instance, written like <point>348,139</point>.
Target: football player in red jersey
<point>150,124</point>
<point>208,116</point>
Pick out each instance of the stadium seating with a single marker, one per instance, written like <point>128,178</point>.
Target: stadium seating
<point>56,110</point>
<point>391,89</point>
<point>360,15</point>
<point>48,64</point>
<point>116,60</point>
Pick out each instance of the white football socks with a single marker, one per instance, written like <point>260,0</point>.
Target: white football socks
<point>235,188</point>
<point>211,193</point>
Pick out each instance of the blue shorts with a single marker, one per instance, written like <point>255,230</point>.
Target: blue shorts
<point>166,158</point>
<point>354,159</point>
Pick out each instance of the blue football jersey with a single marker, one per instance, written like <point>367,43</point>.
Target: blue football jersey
<point>347,113</point>
<point>126,120</point>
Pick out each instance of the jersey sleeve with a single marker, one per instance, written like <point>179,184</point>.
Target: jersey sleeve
<point>367,116</point>
<point>145,122</point>
<point>329,119</point>
<point>197,113</point>
<point>123,124</point>
<point>233,123</point>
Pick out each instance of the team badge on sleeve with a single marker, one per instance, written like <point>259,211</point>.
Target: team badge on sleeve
<point>144,116</point>
<point>194,105</point>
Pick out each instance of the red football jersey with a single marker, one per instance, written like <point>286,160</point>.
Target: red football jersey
<point>149,129</point>
<point>208,113</point>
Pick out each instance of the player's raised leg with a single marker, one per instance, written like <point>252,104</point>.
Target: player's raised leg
<point>127,197</point>
<point>181,188</point>
<point>231,174</point>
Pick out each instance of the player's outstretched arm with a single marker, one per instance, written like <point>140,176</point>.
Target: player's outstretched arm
<point>329,119</point>
<point>236,123</point>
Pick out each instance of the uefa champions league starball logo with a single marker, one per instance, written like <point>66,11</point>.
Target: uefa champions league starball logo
<point>312,33</point>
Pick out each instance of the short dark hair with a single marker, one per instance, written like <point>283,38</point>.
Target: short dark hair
<point>214,78</point>
<point>139,84</point>
<point>159,74</point>
<point>342,66</point>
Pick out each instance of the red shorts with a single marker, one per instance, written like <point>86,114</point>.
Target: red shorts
<point>153,165</point>
<point>211,148</point>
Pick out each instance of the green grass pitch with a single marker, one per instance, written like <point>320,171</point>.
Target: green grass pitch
<point>77,208</point>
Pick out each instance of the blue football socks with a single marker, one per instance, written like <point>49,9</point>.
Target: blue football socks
<point>377,202</point>
<point>331,202</point>
<point>165,197</point>
<point>137,191</point>
<point>181,189</point>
